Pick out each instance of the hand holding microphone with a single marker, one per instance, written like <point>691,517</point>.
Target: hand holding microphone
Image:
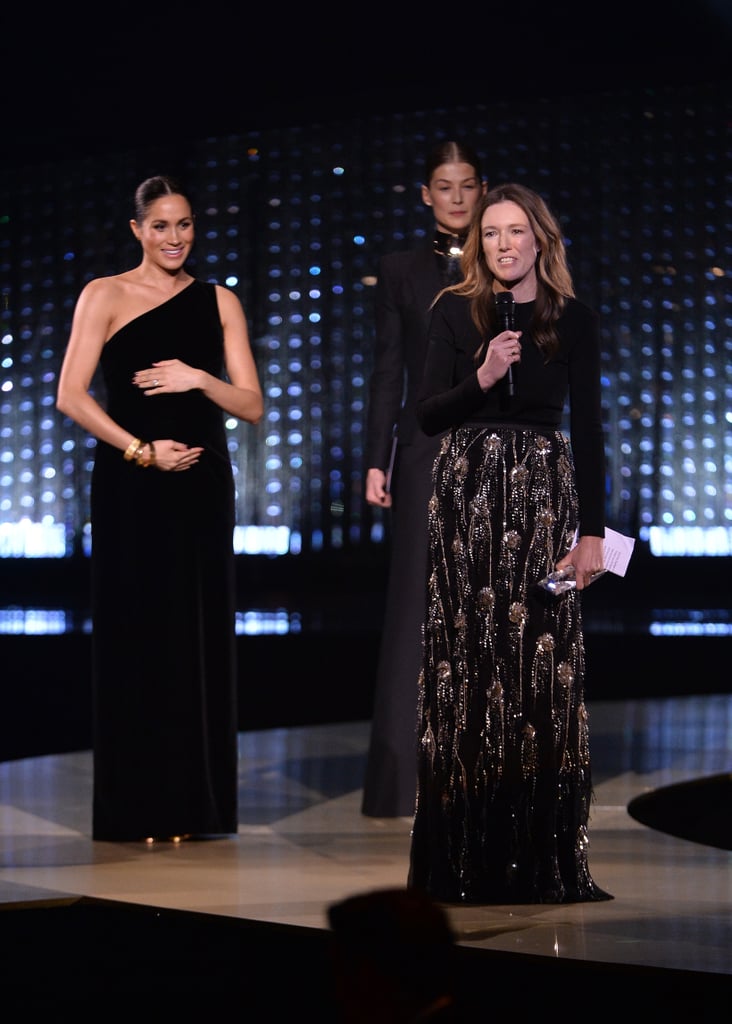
<point>506,310</point>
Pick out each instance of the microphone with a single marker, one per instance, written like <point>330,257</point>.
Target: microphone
<point>505,307</point>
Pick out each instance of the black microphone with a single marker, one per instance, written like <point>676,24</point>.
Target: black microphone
<point>505,307</point>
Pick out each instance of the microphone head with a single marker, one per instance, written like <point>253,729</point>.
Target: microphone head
<point>506,310</point>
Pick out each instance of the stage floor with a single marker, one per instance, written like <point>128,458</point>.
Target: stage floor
<point>303,843</point>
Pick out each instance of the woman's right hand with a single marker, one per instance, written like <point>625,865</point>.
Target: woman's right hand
<point>503,351</point>
<point>174,457</point>
<point>376,492</point>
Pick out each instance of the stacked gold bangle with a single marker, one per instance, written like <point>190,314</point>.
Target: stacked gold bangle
<point>133,448</point>
<point>136,450</point>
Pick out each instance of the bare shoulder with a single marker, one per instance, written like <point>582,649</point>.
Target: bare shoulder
<point>104,289</point>
<point>228,303</point>
<point>226,295</point>
<point>111,302</point>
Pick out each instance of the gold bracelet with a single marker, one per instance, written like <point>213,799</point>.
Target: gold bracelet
<point>132,448</point>
<point>150,461</point>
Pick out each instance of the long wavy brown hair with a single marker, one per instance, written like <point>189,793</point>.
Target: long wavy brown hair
<point>554,280</point>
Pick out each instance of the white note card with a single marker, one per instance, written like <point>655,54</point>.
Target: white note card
<point>617,551</point>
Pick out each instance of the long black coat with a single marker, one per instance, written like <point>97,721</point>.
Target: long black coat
<point>407,283</point>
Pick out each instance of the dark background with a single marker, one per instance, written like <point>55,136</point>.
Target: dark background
<point>113,78</point>
<point>75,84</point>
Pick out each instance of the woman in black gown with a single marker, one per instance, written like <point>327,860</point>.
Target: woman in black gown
<point>504,785</point>
<point>407,283</point>
<point>175,355</point>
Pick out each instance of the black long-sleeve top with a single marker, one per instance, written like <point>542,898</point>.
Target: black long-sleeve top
<point>450,394</point>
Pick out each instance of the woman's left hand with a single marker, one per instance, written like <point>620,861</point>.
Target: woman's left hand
<point>588,559</point>
<point>167,377</point>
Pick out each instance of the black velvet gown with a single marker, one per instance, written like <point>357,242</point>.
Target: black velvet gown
<point>163,595</point>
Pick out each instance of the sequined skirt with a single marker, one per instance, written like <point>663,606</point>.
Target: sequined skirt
<point>504,782</point>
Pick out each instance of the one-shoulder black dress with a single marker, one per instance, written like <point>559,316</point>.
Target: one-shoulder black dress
<point>163,594</point>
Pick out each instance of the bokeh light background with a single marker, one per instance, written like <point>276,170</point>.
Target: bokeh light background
<point>294,221</point>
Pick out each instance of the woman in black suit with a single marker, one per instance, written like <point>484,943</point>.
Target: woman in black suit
<point>400,458</point>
